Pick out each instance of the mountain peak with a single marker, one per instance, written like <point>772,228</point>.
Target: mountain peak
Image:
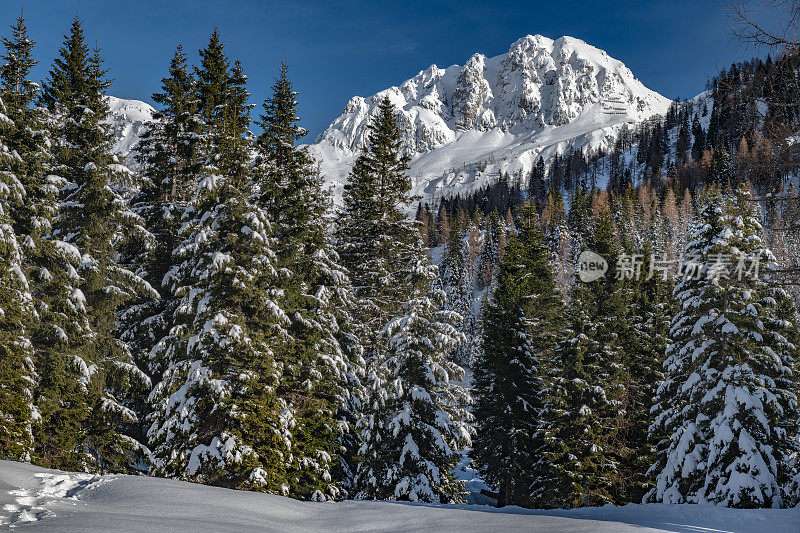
<point>464,125</point>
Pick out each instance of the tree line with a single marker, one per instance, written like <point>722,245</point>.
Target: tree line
<point>201,318</point>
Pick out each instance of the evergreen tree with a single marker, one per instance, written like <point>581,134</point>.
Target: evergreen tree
<point>521,327</point>
<point>17,373</point>
<point>457,282</point>
<point>59,327</point>
<point>379,245</point>
<point>536,187</point>
<point>727,408</point>
<point>414,419</point>
<point>649,314</point>
<point>94,222</point>
<point>720,172</point>
<point>321,359</point>
<point>168,159</point>
<point>585,406</point>
<point>217,417</point>
<point>699,144</point>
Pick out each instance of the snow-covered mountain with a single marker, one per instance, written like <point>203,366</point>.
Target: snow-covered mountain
<point>466,124</point>
<point>128,120</point>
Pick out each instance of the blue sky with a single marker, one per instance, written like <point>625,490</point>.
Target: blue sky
<point>338,50</point>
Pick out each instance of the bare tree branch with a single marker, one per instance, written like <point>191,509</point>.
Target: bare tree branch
<point>747,27</point>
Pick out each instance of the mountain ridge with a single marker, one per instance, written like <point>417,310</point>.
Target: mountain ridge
<point>466,125</point>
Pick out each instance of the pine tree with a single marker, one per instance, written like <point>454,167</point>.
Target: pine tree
<point>95,220</point>
<point>416,421</point>
<point>17,373</point>
<point>521,327</point>
<point>727,408</point>
<point>321,359</point>
<point>585,406</point>
<point>217,417</point>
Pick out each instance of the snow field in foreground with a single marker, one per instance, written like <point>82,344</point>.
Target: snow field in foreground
<point>37,499</point>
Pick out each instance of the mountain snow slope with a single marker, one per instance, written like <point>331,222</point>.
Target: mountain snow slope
<point>38,499</point>
<point>466,125</point>
<point>128,120</point>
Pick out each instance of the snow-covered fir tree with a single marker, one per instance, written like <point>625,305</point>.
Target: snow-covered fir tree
<point>17,372</point>
<point>216,416</point>
<point>377,243</point>
<point>415,419</point>
<point>650,311</point>
<point>59,329</point>
<point>95,222</point>
<point>727,409</point>
<point>457,278</point>
<point>169,163</point>
<point>321,359</point>
<point>584,409</point>
<point>521,326</point>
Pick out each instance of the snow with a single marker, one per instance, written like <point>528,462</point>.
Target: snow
<point>127,120</point>
<point>466,125</point>
<point>38,499</point>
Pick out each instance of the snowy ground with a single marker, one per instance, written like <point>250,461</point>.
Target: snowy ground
<point>37,499</point>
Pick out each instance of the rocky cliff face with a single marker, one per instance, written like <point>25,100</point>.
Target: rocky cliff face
<point>466,124</point>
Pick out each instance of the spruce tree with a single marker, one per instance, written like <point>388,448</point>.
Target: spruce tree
<point>377,242</point>
<point>649,315</point>
<point>17,373</point>
<point>521,327</point>
<point>59,329</point>
<point>95,220</point>
<point>217,417</point>
<point>414,419</point>
<point>169,168</point>
<point>727,408</point>
<point>457,281</point>
<point>585,405</point>
<point>321,359</point>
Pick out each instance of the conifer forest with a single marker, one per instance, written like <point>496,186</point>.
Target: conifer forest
<point>609,322</point>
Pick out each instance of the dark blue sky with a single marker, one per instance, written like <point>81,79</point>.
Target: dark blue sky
<point>338,50</point>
